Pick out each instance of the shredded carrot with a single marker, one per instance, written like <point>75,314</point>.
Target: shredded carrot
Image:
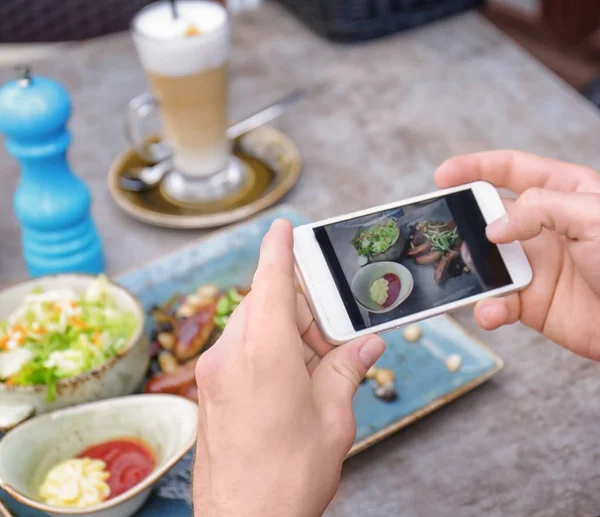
<point>41,330</point>
<point>3,341</point>
<point>57,309</point>
<point>76,322</point>
<point>73,304</point>
<point>96,338</point>
<point>19,328</point>
<point>10,381</point>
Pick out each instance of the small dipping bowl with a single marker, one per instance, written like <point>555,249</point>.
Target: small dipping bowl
<point>361,285</point>
<point>167,423</point>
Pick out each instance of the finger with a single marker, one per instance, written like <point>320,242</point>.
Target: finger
<point>496,312</point>
<point>517,171</point>
<point>273,308</point>
<point>310,332</point>
<point>339,373</point>
<point>311,359</point>
<point>573,215</point>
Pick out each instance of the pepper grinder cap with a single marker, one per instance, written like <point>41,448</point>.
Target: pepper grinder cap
<point>32,106</point>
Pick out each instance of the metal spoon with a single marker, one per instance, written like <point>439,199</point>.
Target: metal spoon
<point>142,179</point>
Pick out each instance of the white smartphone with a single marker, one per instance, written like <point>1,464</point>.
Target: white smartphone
<point>385,267</point>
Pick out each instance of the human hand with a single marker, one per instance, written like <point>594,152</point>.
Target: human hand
<point>276,418</point>
<point>557,218</point>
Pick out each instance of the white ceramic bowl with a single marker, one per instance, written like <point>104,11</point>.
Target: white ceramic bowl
<point>120,375</point>
<point>166,422</point>
<point>362,281</point>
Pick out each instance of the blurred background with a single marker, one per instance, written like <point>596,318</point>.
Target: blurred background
<point>562,34</point>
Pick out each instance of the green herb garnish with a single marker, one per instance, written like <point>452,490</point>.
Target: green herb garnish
<point>226,305</point>
<point>441,239</point>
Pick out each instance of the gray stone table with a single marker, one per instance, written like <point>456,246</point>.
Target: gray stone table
<point>378,119</point>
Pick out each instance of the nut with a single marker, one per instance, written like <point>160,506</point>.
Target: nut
<point>166,340</point>
<point>384,376</point>
<point>371,372</point>
<point>207,291</point>
<point>453,363</point>
<point>386,393</point>
<point>167,362</point>
<point>193,300</point>
<point>185,311</point>
<point>413,333</point>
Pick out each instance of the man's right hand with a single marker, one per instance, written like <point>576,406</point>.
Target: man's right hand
<point>557,218</point>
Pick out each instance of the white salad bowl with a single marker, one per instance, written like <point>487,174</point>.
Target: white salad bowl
<point>119,375</point>
<point>167,423</point>
<point>362,281</point>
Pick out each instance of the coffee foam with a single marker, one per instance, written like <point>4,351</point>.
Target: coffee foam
<point>163,46</point>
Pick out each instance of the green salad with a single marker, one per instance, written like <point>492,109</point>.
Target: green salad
<point>59,333</point>
<point>376,239</point>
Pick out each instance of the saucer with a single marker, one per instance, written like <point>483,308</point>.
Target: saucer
<point>273,165</point>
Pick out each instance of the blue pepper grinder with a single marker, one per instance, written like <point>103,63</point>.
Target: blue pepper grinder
<point>51,203</point>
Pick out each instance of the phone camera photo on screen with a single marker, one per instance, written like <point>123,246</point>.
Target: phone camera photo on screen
<point>402,261</point>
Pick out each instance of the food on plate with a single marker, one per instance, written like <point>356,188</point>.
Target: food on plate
<point>428,258</point>
<point>187,325</point>
<point>385,290</point>
<point>191,334</point>
<point>59,333</point>
<point>371,372</point>
<point>453,363</point>
<point>439,243</point>
<point>129,460</point>
<point>465,254</point>
<point>226,305</point>
<point>100,472</point>
<point>384,378</point>
<point>184,327</point>
<point>413,333</point>
<point>76,483</point>
<point>376,239</point>
<point>167,362</point>
<point>387,392</point>
<point>175,382</point>
<point>442,270</point>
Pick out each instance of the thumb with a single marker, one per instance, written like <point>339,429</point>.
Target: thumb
<point>575,215</point>
<point>337,377</point>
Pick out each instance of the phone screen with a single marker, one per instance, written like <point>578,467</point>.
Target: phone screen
<point>395,263</point>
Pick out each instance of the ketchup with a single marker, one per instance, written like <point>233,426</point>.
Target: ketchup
<point>129,461</point>
<point>394,286</point>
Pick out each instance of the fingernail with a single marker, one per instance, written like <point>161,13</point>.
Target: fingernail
<point>371,351</point>
<point>498,227</point>
<point>278,223</point>
<point>487,313</point>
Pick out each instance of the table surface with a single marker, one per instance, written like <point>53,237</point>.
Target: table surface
<point>377,121</point>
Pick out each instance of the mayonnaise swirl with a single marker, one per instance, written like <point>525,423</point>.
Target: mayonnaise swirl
<point>76,483</point>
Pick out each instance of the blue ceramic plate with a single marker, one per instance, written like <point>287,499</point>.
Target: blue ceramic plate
<point>422,379</point>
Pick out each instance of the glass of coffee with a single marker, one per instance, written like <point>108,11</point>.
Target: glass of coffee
<point>185,54</point>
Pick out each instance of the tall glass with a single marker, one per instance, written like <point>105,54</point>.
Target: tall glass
<point>186,61</point>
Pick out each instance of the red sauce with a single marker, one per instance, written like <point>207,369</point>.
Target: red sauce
<point>129,461</point>
<point>394,286</point>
